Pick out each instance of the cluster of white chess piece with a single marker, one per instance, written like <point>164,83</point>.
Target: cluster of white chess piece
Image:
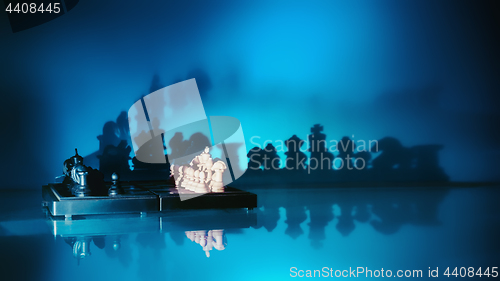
<point>208,240</point>
<point>201,176</point>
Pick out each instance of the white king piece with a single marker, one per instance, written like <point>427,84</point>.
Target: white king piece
<point>202,175</point>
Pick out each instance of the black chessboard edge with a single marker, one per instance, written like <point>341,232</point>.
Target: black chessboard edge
<point>149,200</point>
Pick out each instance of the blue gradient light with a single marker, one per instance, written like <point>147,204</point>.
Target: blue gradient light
<point>361,68</point>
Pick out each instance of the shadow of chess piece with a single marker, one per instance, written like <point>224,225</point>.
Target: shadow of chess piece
<point>295,158</point>
<point>270,159</point>
<point>295,215</point>
<point>254,162</point>
<point>115,159</point>
<point>346,148</point>
<point>109,136</point>
<point>178,146</point>
<point>427,163</point>
<point>345,225</point>
<point>269,217</point>
<point>362,163</point>
<point>394,163</point>
<point>320,215</point>
<point>321,161</point>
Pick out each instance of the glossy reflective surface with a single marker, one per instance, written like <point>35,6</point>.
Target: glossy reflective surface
<point>308,228</point>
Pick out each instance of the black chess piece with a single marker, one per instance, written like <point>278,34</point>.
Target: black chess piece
<point>80,179</point>
<point>76,175</point>
<point>115,188</point>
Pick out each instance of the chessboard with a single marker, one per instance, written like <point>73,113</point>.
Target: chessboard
<point>141,197</point>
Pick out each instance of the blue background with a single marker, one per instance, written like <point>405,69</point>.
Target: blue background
<point>425,72</point>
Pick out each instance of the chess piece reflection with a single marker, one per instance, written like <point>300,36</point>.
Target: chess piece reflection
<point>208,239</point>
<point>80,246</point>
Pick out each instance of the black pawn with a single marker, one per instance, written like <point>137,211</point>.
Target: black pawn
<point>115,188</point>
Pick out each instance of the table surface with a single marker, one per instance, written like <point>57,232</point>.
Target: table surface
<point>307,228</point>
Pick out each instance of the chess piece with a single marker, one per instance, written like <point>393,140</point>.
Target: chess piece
<point>185,177</point>
<point>178,180</point>
<point>201,186</point>
<point>216,184</point>
<point>186,183</point>
<point>196,180</point>
<point>174,172</point>
<point>115,188</point>
<point>208,170</point>
<point>79,176</point>
<point>189,183</point>
<point>201,161</point>
<point>81,180</point>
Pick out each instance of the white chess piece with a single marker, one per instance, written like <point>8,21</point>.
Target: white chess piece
<point>216,183</point>
<point>179,177</point>
<point>208,169</point>
<point>201,186</point>
<point>174,171</point>
<point>187,177</point>
<point>195,180</point>
<point>189,184</point>
<point>199,161</point>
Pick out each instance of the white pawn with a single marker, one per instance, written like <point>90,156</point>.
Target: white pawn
<point>195,180</point>
<point>216,184</point>
<point>187,177</point>
<point>189,184</point>
<point>208,170</point>
<point>201,186</point>
<point>174,171</point>
<point>179,177</point>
